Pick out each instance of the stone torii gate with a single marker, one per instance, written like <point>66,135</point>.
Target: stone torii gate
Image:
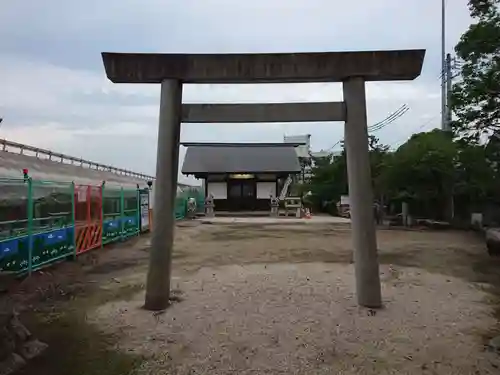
<point>353,69</point>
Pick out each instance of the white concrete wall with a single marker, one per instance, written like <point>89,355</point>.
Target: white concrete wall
<point>265,189</point>
<point>217,189</point>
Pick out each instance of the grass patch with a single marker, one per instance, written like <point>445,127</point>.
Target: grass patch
<point>242,235</point>
<point>249,234</point>
<point>470,266</point>
<point>116,266</point>
<point>75,345</point>
<point>487,270</point>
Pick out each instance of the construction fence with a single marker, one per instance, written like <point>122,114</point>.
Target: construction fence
<point>43,222</point>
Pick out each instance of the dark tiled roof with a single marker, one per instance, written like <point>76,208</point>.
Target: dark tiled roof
<point>243,158</point>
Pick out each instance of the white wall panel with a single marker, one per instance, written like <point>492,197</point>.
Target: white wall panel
<point>265,189</point>
<point>217,189</point>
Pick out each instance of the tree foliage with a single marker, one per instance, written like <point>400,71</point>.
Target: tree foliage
<point>474,179</point>
<point>421,172</point>
<point>476,95</point>
<point>329,179</point>
<point>425,172</point>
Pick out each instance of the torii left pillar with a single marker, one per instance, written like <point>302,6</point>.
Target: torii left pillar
<point>167,165</point>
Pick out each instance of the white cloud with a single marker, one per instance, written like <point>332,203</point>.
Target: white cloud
<point>54,94</point>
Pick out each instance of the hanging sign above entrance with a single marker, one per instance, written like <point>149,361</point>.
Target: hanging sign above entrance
<point>242,176</point>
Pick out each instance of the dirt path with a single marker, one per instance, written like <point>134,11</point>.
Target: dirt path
<point>303,318</point>
<point>57,301</point>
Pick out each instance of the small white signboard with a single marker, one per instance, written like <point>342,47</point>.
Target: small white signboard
<point>82,195</point>
<point>344,200</point>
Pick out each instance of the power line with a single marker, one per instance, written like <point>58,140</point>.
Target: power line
<point>390,119</point>
<point>335,144</point>
<point>392,145</point>
<point>427,122</point>
<point>420,127</point>
<point>381,124</point>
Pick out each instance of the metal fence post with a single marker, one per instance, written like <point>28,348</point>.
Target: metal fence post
<point>102,213</point>
<point>30,224</point>
<point>122,214</point>
<point>138,211</point>
<point>73,217</point>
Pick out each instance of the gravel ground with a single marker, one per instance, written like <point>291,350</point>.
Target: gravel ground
<point>303,319</point>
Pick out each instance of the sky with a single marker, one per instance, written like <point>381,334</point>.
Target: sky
<point>54,93</point>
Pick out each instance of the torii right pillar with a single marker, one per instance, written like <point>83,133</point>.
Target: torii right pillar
<point>364,239</point>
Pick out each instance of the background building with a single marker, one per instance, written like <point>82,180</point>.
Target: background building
<point>305,155</point>
<point>241,176</point>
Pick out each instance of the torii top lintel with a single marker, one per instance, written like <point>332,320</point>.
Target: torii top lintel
<point>395,65</point>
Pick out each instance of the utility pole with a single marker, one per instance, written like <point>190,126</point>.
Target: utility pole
<point>443,65</point>
<point>447,126</point>
<point>448,92</point>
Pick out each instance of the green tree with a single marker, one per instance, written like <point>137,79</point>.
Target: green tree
<point>425,171</point>
<point>328,182</point>
<point>421,171</point>
<point>476,95</point>
<point>379,157</point>
<point>474,178</point>
<point>329,176</point>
